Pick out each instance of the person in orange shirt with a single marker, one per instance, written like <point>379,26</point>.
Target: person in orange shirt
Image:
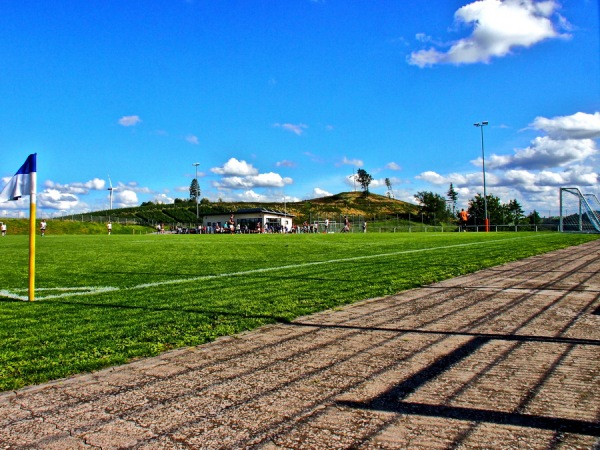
<point>464,217</point>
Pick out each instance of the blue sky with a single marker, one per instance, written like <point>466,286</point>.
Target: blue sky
<point>288,98</point>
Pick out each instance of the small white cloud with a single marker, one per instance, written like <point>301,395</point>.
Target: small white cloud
<point>432,177</point>
<point>163,199</point>
<point>192,139</point>
<point>129,121</point>
<point>393,166</point>
<point>125,198</point>
<point>285,163</point>
<point>351,162</point>
<point>235,167</point>
<point>297,129</point>
<point>318,193</point>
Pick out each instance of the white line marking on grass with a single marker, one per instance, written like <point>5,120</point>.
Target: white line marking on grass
<point>65,292</point>
<point>80,291</point>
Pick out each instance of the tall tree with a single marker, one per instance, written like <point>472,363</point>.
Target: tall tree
<point>477,209</point>
<point>194,190</point>
<point>363,177</point>
<point>515,211</point>
<point>453,198</point>
<point>534,218</point>
<point>432,206</point>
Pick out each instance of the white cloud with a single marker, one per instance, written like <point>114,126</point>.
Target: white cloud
<point>129,121</point>
<point>318,193</point>
<point>234,167</point>
<point>163,199</point>
<point>55,199</point>
<point>192,139</point>
<point>264,180</point>
<point>393,166</point>
<point>125,198</point>
<point>577,126</point>
<point>133,187</point>
<point>433,178</point>
<point>297,129</point>
<point>241,175</point>
<point>252,196</point>
<point>498,27</point>
<point>351,162</point>
<point>285,163</point>
<point>544,152</point>
<point>78,188</point>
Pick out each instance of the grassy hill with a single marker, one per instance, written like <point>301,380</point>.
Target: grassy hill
<point>345,203</point>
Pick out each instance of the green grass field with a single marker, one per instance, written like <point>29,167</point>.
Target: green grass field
<point>104,300</point>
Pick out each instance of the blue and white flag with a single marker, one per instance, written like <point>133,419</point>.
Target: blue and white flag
<point>23,183</point>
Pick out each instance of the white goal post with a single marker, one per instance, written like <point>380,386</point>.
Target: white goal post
<point>579,213</point>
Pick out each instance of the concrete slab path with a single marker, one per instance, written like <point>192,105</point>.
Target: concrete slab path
<point>507,357</point>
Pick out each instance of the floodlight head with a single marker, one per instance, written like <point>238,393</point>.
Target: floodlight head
<point>484,122</point>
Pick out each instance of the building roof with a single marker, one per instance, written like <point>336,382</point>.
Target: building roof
<point>253,211</point>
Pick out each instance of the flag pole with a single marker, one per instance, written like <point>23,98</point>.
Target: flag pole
<point>32,221</point>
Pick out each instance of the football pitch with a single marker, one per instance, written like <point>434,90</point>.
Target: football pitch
<point>105,300</point>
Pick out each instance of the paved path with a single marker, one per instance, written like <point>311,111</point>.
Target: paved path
<point>504,358</point>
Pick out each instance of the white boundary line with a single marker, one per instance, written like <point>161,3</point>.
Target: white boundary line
<point>81,291</point>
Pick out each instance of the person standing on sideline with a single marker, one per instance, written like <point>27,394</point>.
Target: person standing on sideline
<point>365,226</point>
<point>43,227</point>
<point>326,225</point>
<point>109,228</point>
<point>464,217</point>
<point>3,228</point>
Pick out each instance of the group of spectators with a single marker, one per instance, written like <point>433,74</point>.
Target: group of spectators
<point>233,227</point>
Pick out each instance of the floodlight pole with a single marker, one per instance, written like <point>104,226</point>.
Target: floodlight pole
<point>480,125</point>
<point>196,193</point>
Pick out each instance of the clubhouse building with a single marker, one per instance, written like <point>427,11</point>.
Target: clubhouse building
<point>250,220</point>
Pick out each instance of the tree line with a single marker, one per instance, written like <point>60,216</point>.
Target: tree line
<point>436,208</point>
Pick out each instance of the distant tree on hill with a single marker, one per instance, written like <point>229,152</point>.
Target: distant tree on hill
<point>365,179</point>
<point>390,191</point>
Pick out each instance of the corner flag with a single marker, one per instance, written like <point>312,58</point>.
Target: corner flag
<point>24,183</point>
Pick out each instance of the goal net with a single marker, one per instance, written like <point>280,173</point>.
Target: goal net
<point>579,213</point>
